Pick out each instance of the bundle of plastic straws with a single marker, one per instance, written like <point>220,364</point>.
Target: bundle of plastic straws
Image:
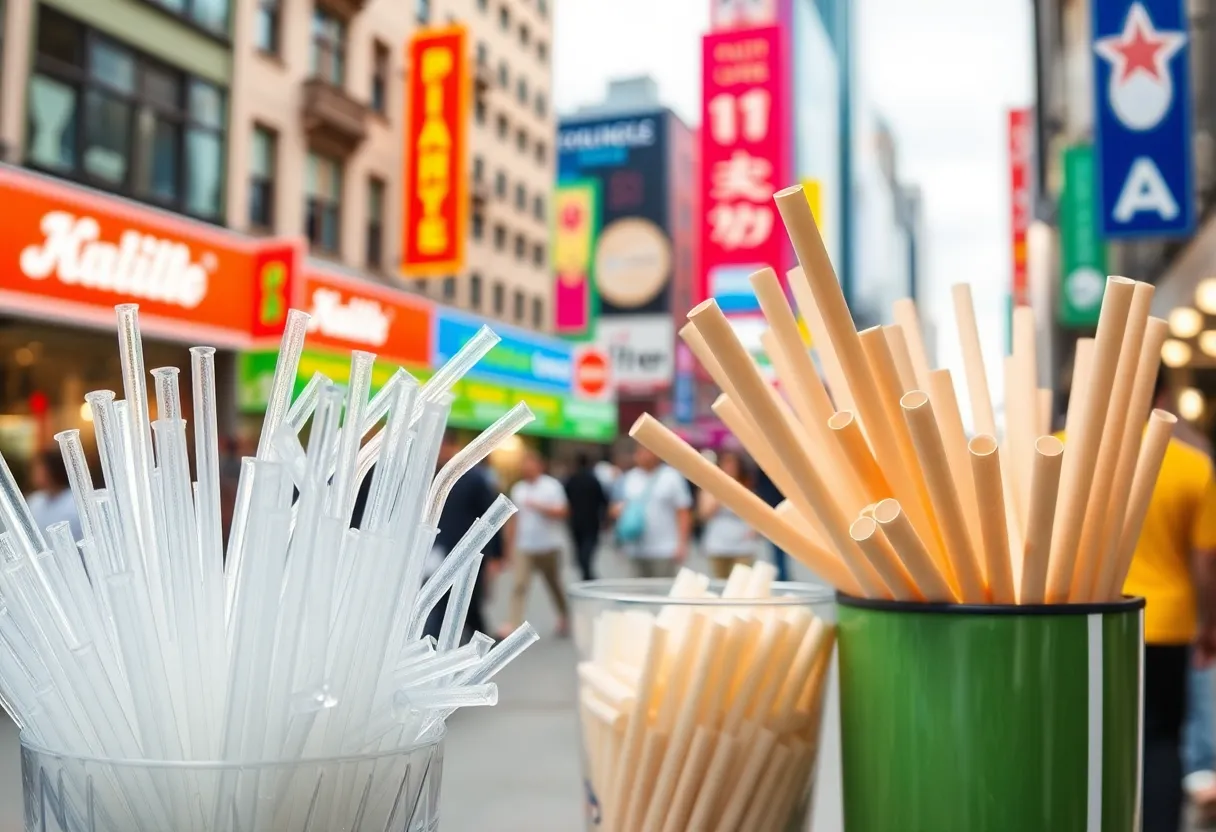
<point>143,641</point>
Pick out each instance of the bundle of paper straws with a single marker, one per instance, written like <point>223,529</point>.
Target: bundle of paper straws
<point>705,716</point>
<point>886,497</point>
<point>143,642</point>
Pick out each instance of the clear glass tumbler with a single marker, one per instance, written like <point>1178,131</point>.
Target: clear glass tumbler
<point>395,791</point>
<point>700,713</point>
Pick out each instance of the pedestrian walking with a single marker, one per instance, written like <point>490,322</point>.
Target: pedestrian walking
<point>653,516</point>
<point>588,503</point>
<point>726,539</point>
<point>534,539</point>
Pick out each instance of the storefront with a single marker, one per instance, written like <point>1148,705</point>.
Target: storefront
<point>69,256</point>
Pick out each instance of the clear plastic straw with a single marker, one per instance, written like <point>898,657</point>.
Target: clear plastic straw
<point>235,557</point>
<point>390,468</point>
<point>434,699</point>
<point>380,403</point>
<point>345,483</point>
<point>508,424</point>
<point>454,369</point>
<point>207,474</point>
<point>138,445</point>
<point>16,514</point>
<point>301,409</point>
<point>432,668</point>
<point>291,347</point>
<point>459,602</point>
<point>79,478</point>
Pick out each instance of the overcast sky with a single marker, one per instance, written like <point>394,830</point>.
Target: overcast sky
<point>943,72</point>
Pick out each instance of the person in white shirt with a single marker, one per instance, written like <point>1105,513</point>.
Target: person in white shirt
<point>726,539</point>
<point>51,501</point>
<point>662,501</point>
<point>535,537</point>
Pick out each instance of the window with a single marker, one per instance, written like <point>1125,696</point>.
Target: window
<point>542,152</point>
<point>211,15</point>
<point>500,238</point>
<point>504,74</point>
<point>538,255</point>
<point>108,116</point>
<point>538,312</point>
<point>479,111</point>
<point>525,35</point>
<point>538,207</point>
<point>518,303</point>
<point>521,247</point>
<point>521,90</point>
<point>261,178</point>
<point>328,47</point>
<point>521,140</point>
<point>422,11</point>
<point>542,105</point>
<point>380,61</point>
<point>500,302</point>
<point>474,291</point>
<point>479,168</point>
<point>449,289</point>
<point>323,193</point>
<point>477,225</point>
<point>542,51</point>
<point>483,53</point>
<point>375,223</point>
<point>266,26</point>
<point>500,185</point>
<point>503,127</point>
<point>504,18</point>
<point>521,198</point>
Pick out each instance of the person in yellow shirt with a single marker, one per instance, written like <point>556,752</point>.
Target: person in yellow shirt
<point>1174,568</point>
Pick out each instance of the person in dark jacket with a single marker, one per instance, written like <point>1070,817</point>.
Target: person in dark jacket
<point>766,490</point>
<point>588,507</point>
<point>470,498</point>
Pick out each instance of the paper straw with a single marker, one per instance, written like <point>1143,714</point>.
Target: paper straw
<point>1139,404</point>
<point>1046,399</point>
<point>908,319</point>
<point>954,439</point>
<point>1021,407</point>
<point>882,557</point>
<point>1093,531</point>
<point>982,417</point>
<point>1083,359</point>
<point>1084,439</point>
<point>926,437</point>
<point>1148,466</point>
<point>1044,490</point>
<point>986,472</point>
<point>838,386</point>
<point>847,433</point>
<point>932,582</point>
<point>903,360</point>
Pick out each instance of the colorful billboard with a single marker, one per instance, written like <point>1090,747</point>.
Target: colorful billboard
<point>575,224</point>
<point>1082,250</point>
<point>744,159</point>
<point>1142,123</point>
<point>1021,138</point>
<point>436,151</point>
<point>522,359</point>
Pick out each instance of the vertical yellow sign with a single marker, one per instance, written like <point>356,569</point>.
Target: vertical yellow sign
<point>814,197</point>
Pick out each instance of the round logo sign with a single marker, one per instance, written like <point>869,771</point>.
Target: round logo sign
<point>632,262</point>
<point>591,374</point>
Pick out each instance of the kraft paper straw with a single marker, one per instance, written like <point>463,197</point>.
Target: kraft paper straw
<point>1076,478</point>
<point>1083,361</point>
<point>1044,490</point>
<point>898,344</point>
<point>838,385</point>
<point>982,417</point>
<point>1084,581</point>
<point>1022,405</point>
<point>986,470</point>
<point>882,556</point>
<point>908,319</point>
<point>933,582</point>
<point>1139,405</point>
<point>1046,402</point>
<point>1148,466</point>
<point>847,433</point>
<point>954,438</point>
<point>926,436</point>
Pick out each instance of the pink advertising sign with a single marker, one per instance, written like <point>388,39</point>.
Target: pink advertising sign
<point>744,159</point>
<point>574,233</point>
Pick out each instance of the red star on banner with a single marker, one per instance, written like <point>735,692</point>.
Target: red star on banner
<point>1140,47</point>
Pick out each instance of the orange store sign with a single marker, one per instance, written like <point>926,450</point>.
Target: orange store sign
<point>69,253</point>
<point>436,136</point>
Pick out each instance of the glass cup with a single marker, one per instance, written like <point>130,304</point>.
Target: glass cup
<point>700,713</point>
<point>395,791</point>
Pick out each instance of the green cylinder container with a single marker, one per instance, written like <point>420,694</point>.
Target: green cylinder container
<point>958,718</point>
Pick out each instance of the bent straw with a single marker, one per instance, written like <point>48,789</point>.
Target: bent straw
<point>510,423</point>
<point>986,472</point>
<point>712,324</point>
<point>898,344</point>
<point>1139,405</point>
<point>922,424</point>
<point>755,512</point>
<point>1076,478</point>
<point>1093,531</point>
<point>847,433</point>
<point>908,320</point>
<point>838,386</point>
<point>882,556</point>
<point>932,582</point>
<point>983,420</point>
<point>1148,466</point>
<point>1044,489</point>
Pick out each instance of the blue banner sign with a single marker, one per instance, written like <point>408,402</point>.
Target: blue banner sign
<point>520,359</point>
<point>1143,118</point>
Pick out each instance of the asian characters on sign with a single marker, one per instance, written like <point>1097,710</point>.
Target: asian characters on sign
<point>743,151</point>
<point>436,141</point>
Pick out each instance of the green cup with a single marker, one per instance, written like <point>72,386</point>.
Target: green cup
<point>959,718</point>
